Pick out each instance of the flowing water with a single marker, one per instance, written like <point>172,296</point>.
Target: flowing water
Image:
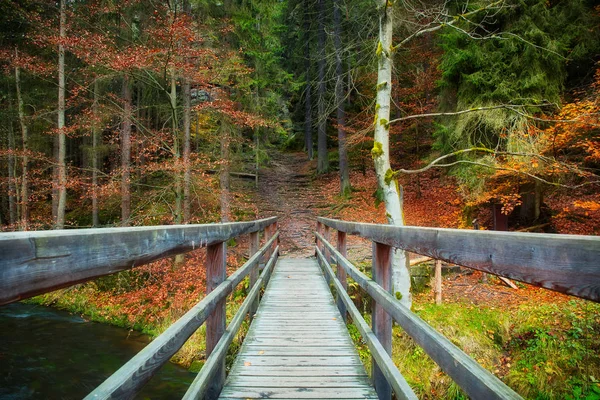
<point>51,354</point>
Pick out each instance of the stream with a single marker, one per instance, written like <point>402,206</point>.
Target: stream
<point>51,354</point>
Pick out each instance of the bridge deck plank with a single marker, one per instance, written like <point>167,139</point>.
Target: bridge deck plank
<point>297,346</point>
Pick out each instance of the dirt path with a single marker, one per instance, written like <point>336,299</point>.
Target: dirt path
<point>285,190</point>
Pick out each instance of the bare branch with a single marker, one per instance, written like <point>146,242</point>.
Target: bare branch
<point>436,164</point>
<point>511,107</point>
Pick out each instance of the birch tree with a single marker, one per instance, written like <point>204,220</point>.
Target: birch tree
<point>388,188</point>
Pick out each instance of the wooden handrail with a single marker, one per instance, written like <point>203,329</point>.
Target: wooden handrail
<point>564,263</point>
<point>36,262</point>
<point>475,380</point>
<point>129,379</point>
<point>393,376</point>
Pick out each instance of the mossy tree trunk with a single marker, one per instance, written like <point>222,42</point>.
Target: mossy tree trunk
<point>389,189</point>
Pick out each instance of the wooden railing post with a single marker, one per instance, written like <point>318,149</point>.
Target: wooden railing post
<point>438,282</point>
<point>216,258</point>
<point>341,272</point>
<point>254,245</point>
<point>324,250</point>
<point>381,321</point>
<point>268,235</point>
<point>275,244</point>
<point>317,242</point>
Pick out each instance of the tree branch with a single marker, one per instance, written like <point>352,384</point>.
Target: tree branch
<point>436,164</point>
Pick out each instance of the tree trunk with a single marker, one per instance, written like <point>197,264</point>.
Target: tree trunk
<point>25,147</point>
<point>308,142</point>
<point>340,99</point>
<point>176,151</point>
<point>62,138</point>
<point>322,160</point>
<point>391,191</point>
<point>126,152</point>
<point>224,172</point>
<point>187,115</point>
<point>95,220</point>
<point>55,179</point>
<point>12,182</point>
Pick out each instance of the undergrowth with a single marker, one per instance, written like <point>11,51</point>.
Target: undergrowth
<point>542,351</point>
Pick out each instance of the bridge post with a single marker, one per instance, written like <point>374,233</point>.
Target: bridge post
<point>254,244</point>
<point>325,251</point>
<point>381,321</point>
<point>268,236</point>
<point>216,259</point>
<point>318,230</point>
<point>341,272</point>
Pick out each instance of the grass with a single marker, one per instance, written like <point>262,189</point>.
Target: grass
<point>542,351</point>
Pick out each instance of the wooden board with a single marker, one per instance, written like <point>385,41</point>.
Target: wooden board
<point>36,262</point>
<point>564,263</point>
<point>297,346</point>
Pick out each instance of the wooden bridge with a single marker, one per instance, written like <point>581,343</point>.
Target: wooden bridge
<point>297,346</point>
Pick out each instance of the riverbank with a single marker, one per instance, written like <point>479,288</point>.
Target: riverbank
<point>46,353</point>
<point>150,298</point>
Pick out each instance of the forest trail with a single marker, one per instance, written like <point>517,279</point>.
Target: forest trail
<point>286,190</point>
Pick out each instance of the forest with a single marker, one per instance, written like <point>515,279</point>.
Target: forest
<point>440,113</point>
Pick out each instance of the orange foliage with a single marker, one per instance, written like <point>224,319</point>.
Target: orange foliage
<point>439,203</point>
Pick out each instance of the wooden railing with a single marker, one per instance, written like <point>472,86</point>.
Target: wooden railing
<point>37,262</point>
<point>565,263</point>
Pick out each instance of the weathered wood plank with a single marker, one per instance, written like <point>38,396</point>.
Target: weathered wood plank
<point>305,360</point>
<point>331,371</point>
<point>35,262</point>
<point>216,259</point>
<point>297,393</point>
<point>253,248</point>
<point>128,379</point>
<point>286,353</point>
<point>304,381</point>
<point>341,273</point>
<point>475,380</point>
<point>564,263</point>
<point>381,321</point>
<point>438,282</point>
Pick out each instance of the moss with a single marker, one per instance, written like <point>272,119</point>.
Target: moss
<point>389,175</point>
<point>385,123</point>
<point>379,50</point>
<point>398,296</point>
<point>377,150</point>
<point>381,86</point>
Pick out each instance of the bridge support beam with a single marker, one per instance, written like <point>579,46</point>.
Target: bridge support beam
<point>381,320</point>
<point>216,259</point>
<point>341,273</point>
